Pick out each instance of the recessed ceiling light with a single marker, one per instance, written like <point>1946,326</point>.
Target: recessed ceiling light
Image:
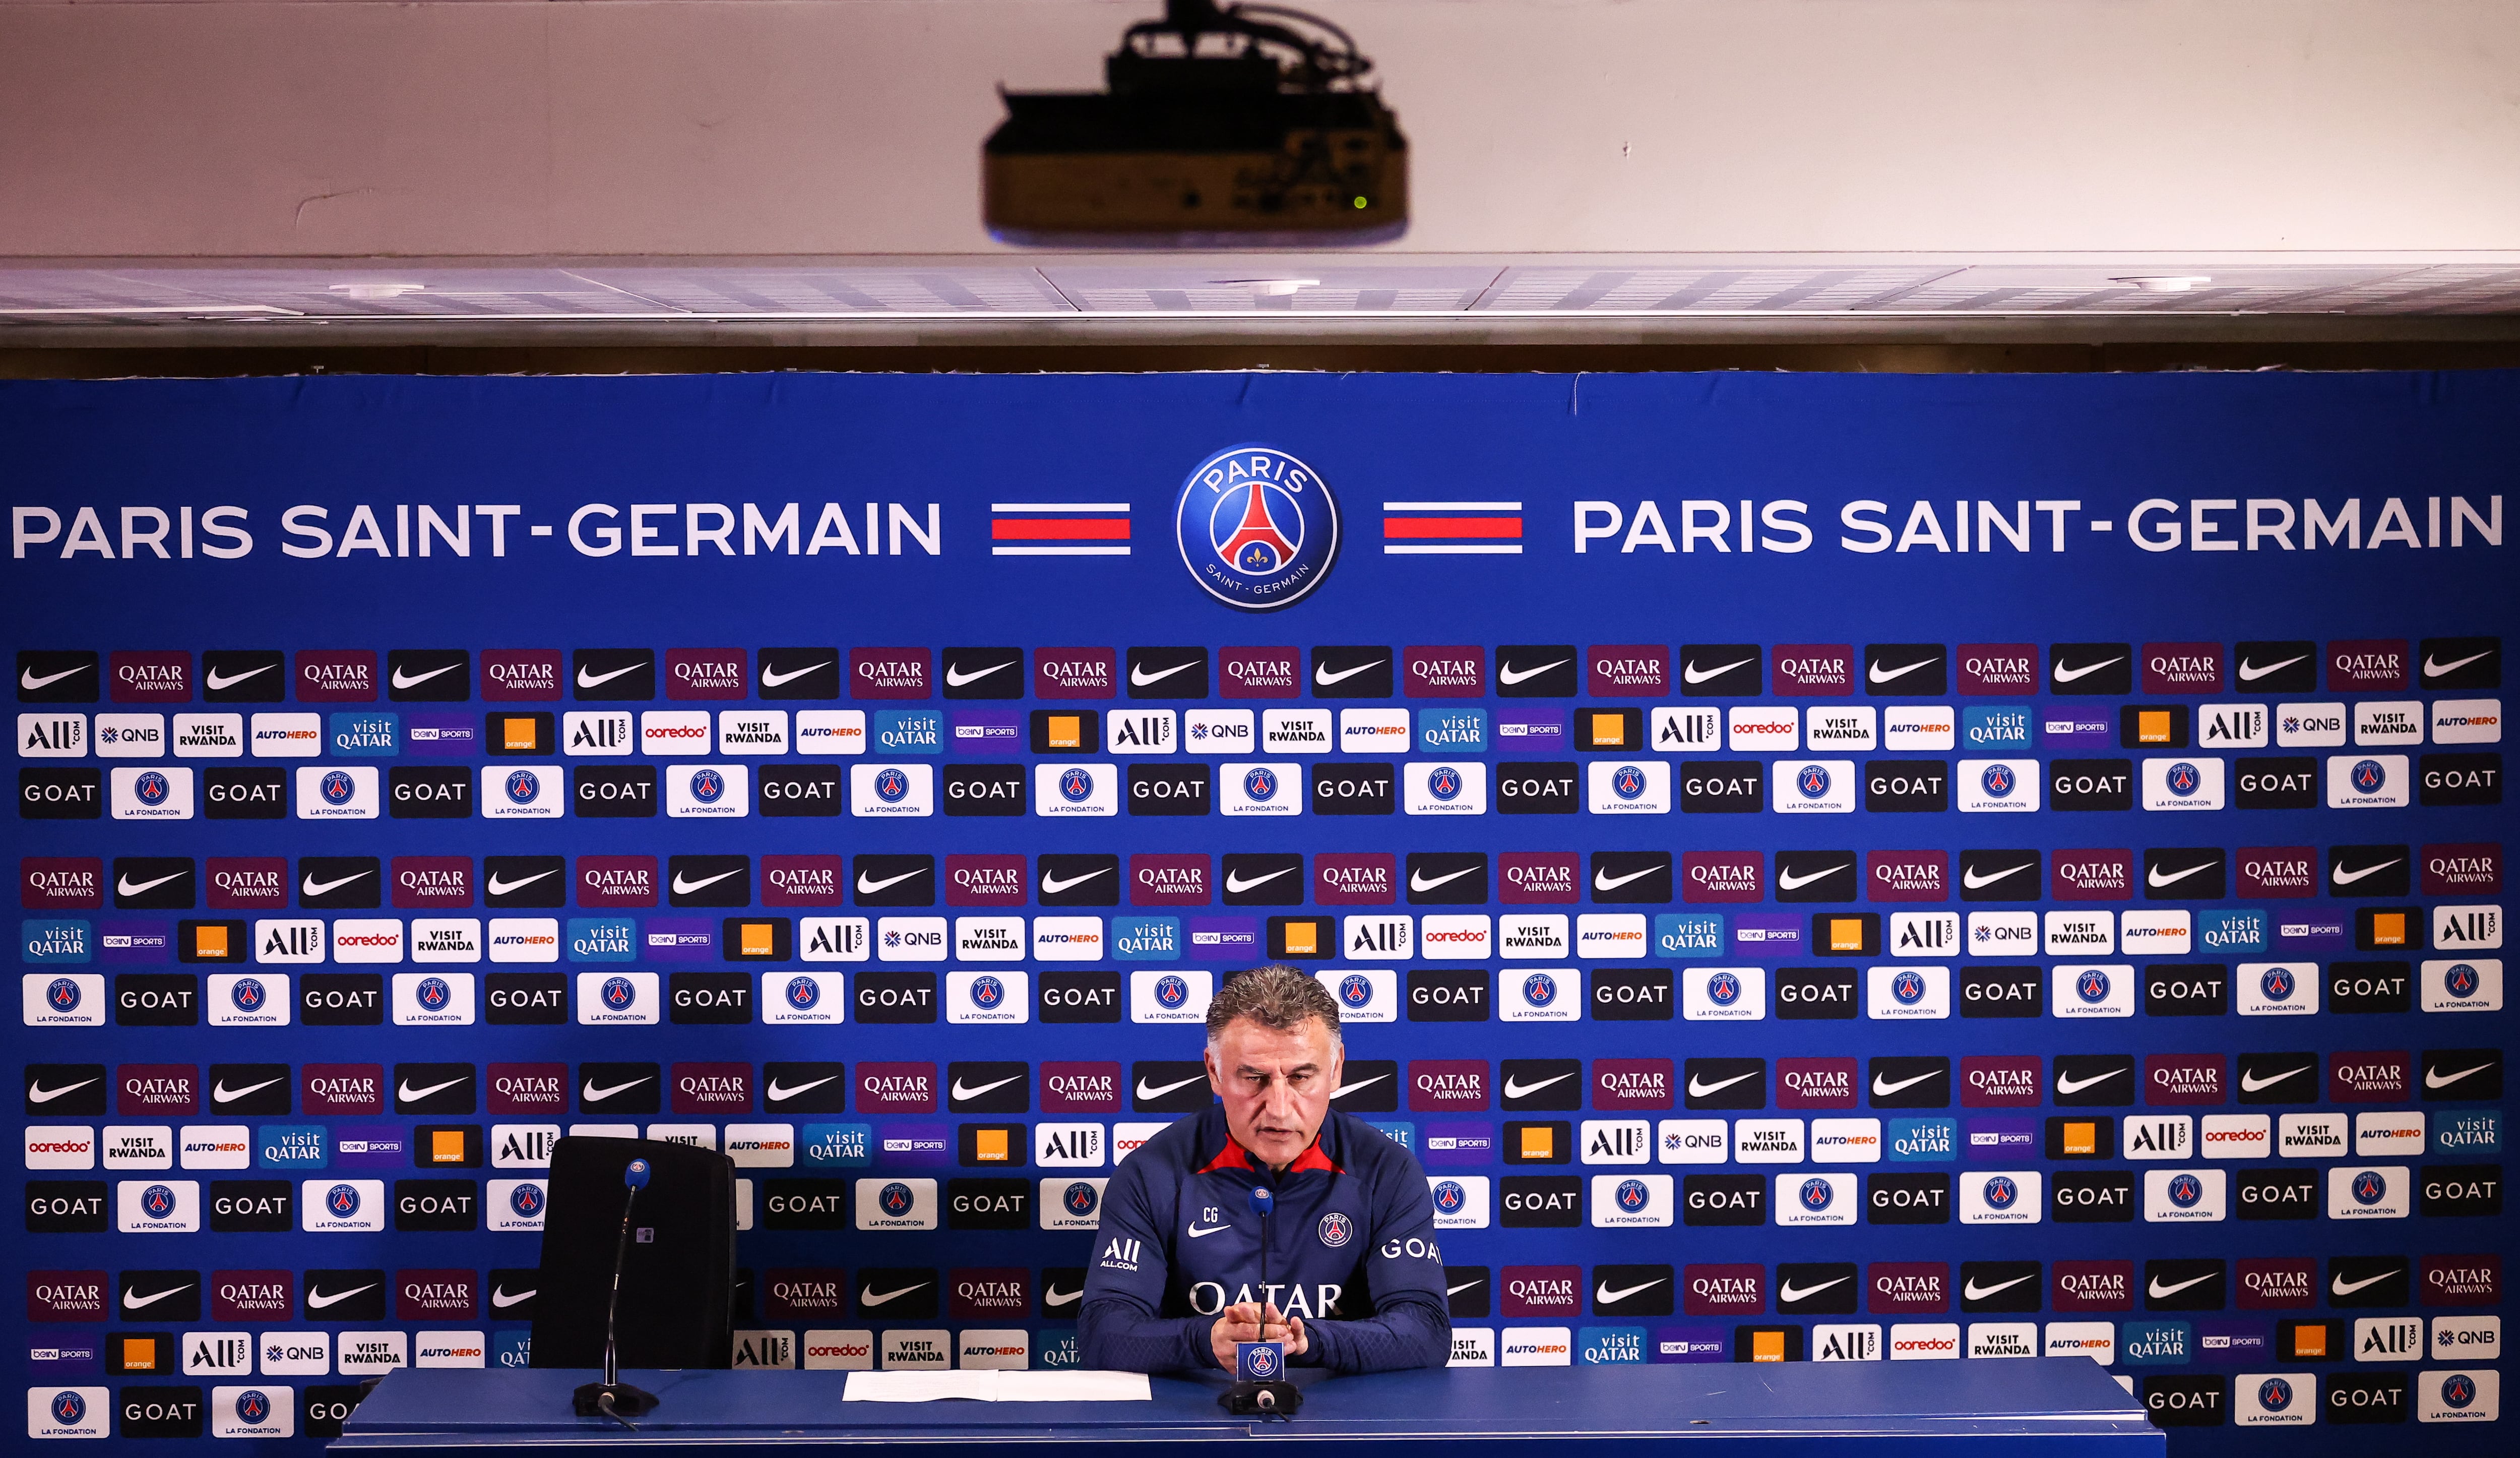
<point>1272,287</point>
<point>370,293</point>
<point>2165,283</point>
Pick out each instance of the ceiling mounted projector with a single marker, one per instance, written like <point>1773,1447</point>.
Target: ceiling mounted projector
<point>1243,126</point>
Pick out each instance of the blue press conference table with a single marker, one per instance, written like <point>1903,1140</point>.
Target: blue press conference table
<point>2034,1406</point>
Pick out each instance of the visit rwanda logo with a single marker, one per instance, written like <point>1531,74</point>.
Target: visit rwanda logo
<point>1257,527</point>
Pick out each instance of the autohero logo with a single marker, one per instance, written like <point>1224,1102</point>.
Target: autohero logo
<point>1256,528</point>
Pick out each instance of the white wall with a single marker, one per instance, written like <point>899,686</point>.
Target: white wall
<point>747,127</point>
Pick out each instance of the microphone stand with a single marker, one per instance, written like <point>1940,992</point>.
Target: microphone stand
<point>1262,1391</point>
<point>612,1397</point>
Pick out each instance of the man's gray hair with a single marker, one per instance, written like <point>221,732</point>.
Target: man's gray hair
<point>1277,997</point>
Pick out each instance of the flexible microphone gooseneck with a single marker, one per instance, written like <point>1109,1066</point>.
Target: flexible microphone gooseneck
<point>1264,1200</point>
<point>1260,1387</point>
<point>610,1398</point>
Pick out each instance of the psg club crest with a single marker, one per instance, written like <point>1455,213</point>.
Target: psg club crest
<point>1257,528</point>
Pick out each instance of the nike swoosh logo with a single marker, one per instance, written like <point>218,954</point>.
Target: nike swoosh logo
<point>1976,1293</point>
<point>2251,1083</point>
<point>1142,678</point>
<point>771,678</point>
<point>1789,1293</point>
<point>2339,1286</point>
<point>310,887</point>
<point>1698,1089</point>
<point>868,888</point>
<point>683,885</point>
<point>1607,883</point>
<point>1419,881</point>
<point>1882,1090</point>
<point>408,1094</point>
<point>316,1302</point>
<point>1976,883</point>
<point>417,679</point>
<point>586,680</point>
<point>1145,1092</point>
<point>2436,670</point>
<point>2441,1080</point>
<point>220,1093</point>
<point>1514,1088</point>
<point>1195,1231</point>
<point>1604,1295</point>
<point>131,1302</point>
<point>2077,1085</point>
<point>29,680</point>
<point>1052,885</point>
<point>1052,1295</point>
<point>497,887</point>
<point>867,1298</point>
<point>1787,880</point>
<point>2250,672</point>
<point>2068,675</point>
<point>1234,882</point>
<point>1475,1279</point>
<point>2342,877</point>
<point>217,680</point>
<point>125,888</point>
<point>780,1093</point>
<point>962,1092</point>
<point>2155,878</point>
<point>1323,676</point>
<point>1341,1092</point>
<point>500,1298</point>
<point>1877,676</point>
<point>2158,1291</point>
<point>1510,675</point>
<point>955,677</point>
<point>588,1093</point>
<point>1692,673</point>
<point>38,1094</point>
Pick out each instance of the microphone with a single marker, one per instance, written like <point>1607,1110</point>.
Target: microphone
<point>1260,1386</point>
<point>612,1397</point>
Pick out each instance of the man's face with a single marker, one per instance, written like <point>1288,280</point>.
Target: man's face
<point>1277,1086</point>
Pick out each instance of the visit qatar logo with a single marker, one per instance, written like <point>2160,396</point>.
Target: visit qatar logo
<point>1256,527</point>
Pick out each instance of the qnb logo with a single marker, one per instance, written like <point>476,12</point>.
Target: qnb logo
<point>2092,985</point>
<point>1171,991</point>
<point>1999,1192</point>
<point>2371,776</point>
<point>1539,990</point>
<point>891,785</point>
<point>2370,1187</point>
<point>1450,1197</point>
<point>1260,784</point>
<point>619,993</point>
<point>1355,991</point>
<point>1075,785</point>
<point>1812,781</point>
<point>336,787</point>
<point>803,992</point>
<point>342,1201</point>
<point>1998,781</point>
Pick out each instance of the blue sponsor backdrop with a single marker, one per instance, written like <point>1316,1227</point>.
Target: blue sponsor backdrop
<point>1680,653</point>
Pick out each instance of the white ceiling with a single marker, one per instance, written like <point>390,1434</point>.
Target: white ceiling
<point>1158,288</point>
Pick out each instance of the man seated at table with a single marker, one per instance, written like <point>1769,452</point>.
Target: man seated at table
<point>1351,1279</point>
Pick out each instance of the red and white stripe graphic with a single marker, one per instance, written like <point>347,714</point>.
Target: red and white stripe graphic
<point>1452,528</point>
<point>1058,529</point>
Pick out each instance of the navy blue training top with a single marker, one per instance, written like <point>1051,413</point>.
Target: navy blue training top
<point>1351,1251</point>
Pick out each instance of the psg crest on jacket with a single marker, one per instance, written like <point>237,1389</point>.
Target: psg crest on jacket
<point>1256,526</point>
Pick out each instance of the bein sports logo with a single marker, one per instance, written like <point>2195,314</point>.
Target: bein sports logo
<point>1812,781</point>
<point>2092,985</point>
<point>1075,785</point>
<point>803,992</point>
<point>619,993</point>
<point>1256,527</point>
<point>1539,990</point>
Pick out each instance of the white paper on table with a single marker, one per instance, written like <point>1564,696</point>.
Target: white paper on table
<point>991,1386</point>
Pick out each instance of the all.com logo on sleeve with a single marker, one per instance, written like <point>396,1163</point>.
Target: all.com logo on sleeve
<point>1256,527</point>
